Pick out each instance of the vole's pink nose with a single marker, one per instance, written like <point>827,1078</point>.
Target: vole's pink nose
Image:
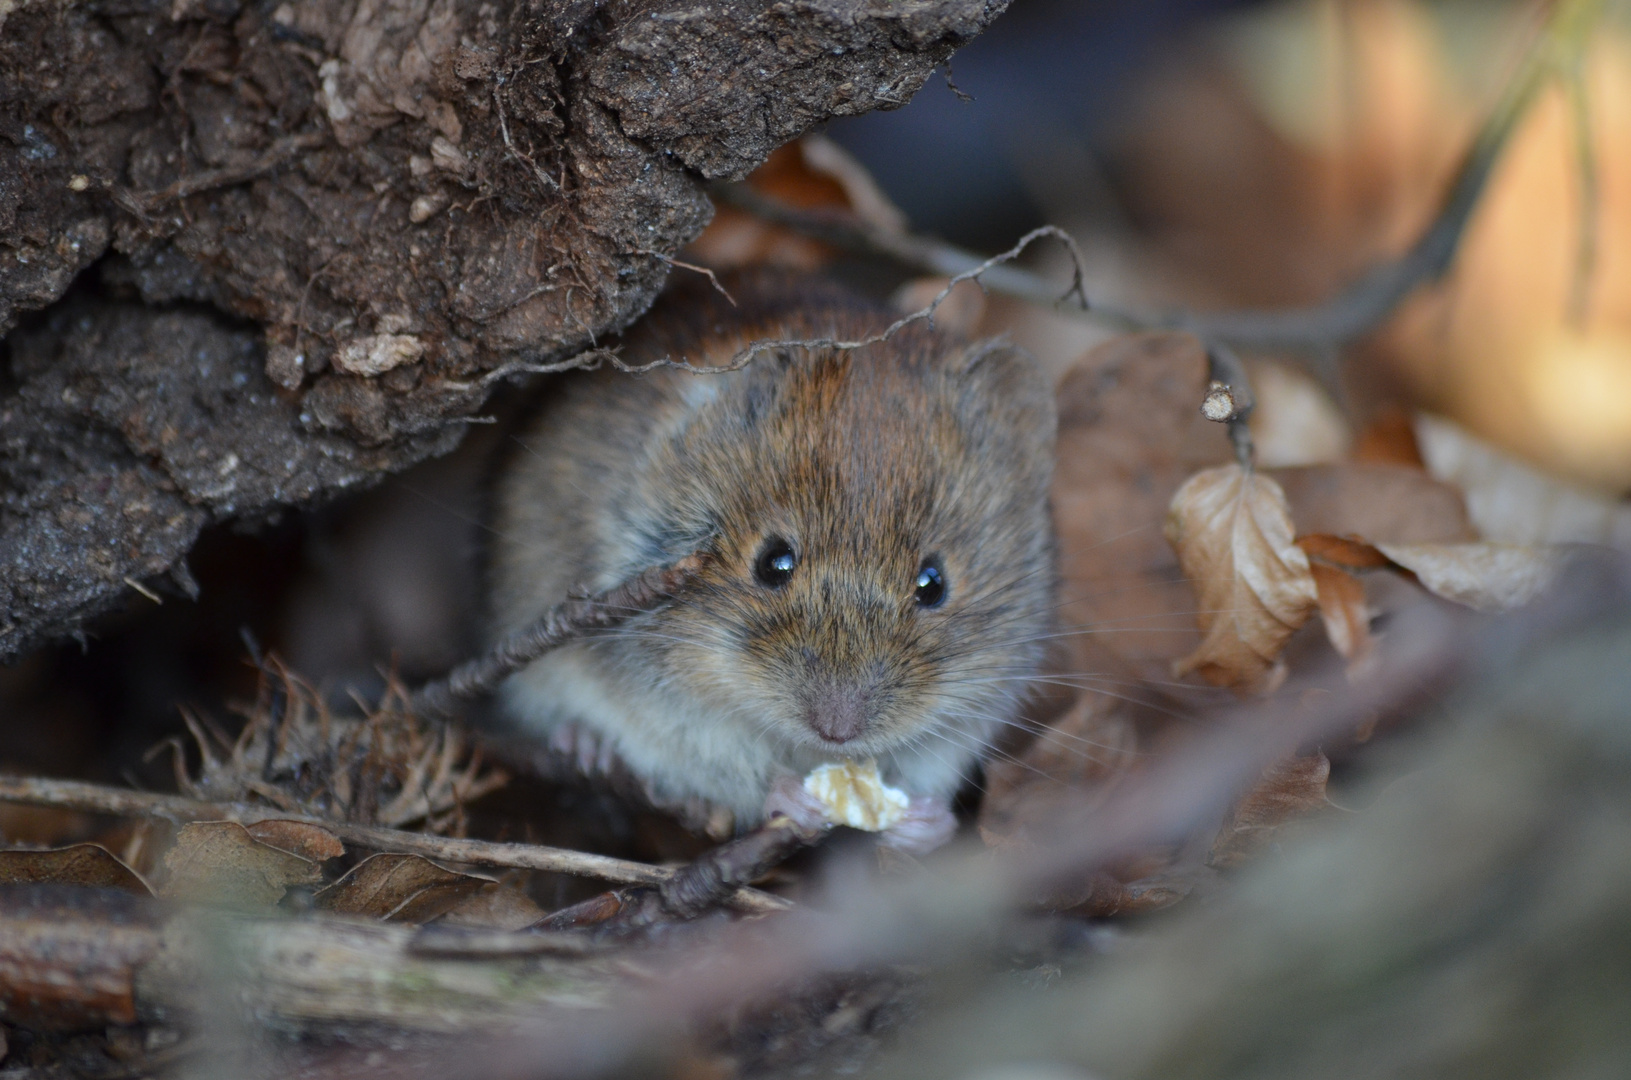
<point>837,714</point>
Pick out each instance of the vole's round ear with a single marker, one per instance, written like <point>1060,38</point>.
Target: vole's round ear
<point>1001,387</point>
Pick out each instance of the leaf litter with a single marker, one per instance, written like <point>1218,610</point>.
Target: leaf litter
<point>1175,565</point>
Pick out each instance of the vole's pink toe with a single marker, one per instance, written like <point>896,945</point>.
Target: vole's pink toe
<point>787,796</point>
<point>928,824</point>
<point>592,755</point>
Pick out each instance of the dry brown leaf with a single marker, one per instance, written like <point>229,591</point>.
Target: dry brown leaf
<point>1232,532</point>
<point>88,865</point>
<point>1346,552</point>
<point>1377,502</point>
<point>1130,431</point>
<point>219,862</point>
<point>496,905</point>
<point>1516,503</point>
<point>1287,790</point>
<point>1389,439</point>
<point>398,887</point>
<point>813,173</point>
<point>298,838</point>
<point>1344,613</point>
<point>1488,577</point>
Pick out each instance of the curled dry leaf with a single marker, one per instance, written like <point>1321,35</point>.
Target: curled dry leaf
<point>89,865</point>
<point>1488,577</point>
<point>1232,532</point>
<point>1287,790</point>
<point>1514,502</point>
<point>399,888</point>
<point>219,862</point>
<point>1347,552</point>
<point>1344,613</point>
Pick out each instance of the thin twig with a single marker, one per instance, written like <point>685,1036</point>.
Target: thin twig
<point>565,621</point>
<point>931,256</point>
<point>746,355</point>
<point>121,802</point>
<point>693,267</point>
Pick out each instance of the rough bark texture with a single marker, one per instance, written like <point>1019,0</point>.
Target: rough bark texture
<point>320,228</point>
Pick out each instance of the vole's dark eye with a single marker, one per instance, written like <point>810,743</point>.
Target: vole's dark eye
<point>773,566</point>
<point>931,584</point>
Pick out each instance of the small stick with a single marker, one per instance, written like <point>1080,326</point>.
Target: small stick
<point>719,874</point>
<point>1230,401</point>
<point>565,621</point>
<point>98,799</point>
<point>716,877</point>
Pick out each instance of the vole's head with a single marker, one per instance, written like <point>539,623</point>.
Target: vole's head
<point>883,568</point>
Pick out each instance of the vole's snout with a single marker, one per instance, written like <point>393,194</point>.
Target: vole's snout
<point>838,714</point>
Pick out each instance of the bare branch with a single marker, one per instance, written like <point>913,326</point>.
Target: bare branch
<point>98,799</point>
<point>567,620</point>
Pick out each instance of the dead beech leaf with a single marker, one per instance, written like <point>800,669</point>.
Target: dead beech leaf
<point>1513,502</point>
<point>1488,577</point>
<point>1389,439</point>
<point>1344,613</point>
<point>398,887</point>
<point>219,862</point>
<point>1347,552</point>
<point>1232,532</point>
<point>1378,502</point>
<point>298,838</point>
<point>496,905</point>
<point>89,865</point>
<point>1287,790</point>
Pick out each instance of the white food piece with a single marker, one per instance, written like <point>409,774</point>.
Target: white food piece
<point>855,795</point>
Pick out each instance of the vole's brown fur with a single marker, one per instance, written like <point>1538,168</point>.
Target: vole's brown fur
<point>867,463</point>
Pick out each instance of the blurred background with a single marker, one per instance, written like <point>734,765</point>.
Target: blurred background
<point>1219,155</point>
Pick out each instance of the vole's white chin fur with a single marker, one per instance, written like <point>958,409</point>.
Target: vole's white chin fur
<point>690,744</point>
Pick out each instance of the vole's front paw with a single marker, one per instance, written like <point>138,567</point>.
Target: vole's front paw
<point>928,824</point>
<point>592,754</point>
<point>788,796</point>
